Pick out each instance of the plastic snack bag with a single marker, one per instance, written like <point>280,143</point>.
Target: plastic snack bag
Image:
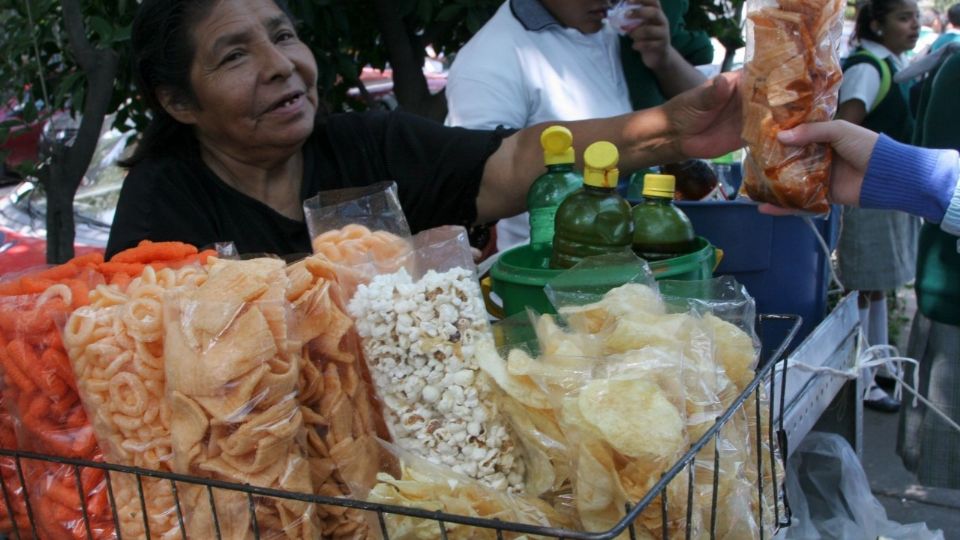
<point>422,334</point>
<point>233,371</point>
<point>340,412</point>
<point>621,17</point>
<point>40,394</point>
<point>792,76</point>
<point>425,485</point>
<point>361,230</point>
<point>116,348</point>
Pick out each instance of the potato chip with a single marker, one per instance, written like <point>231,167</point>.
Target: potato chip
<point>634,416</point>
<point>735,351</point>
<point>518,387</point>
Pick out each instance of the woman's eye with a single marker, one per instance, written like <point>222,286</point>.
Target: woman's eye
<point>231,56</point>
<point>285,36</point>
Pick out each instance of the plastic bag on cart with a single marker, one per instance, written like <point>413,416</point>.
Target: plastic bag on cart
<point>361,230</point>
<point>830,496</point>
<point>578,285</point>
<point>729,314</point>
<point>421,484</point>
<point>711,323</point>
<point>792,76</point>
<point>233,370</point>
<point>423,328</point>
<point>520,380</point>
<point>115,346</point>
<point>626,420</point>
<point>40,393</point>
<point>340,412</point>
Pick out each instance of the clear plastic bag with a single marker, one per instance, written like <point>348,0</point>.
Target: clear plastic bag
<point>233,370</point>
<point>830,496</point>
<point>360,230</point>
<point>422,333</point>
<point>792,76</point>
<point>620,17</point>
<point>40,394</point>
<point>115,346</point>
<point>341,415</point>
<point>425,485</point>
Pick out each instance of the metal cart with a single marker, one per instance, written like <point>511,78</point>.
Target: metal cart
<point>766,388</point>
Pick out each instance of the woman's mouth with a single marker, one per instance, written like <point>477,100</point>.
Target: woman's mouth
<point>287,103</point>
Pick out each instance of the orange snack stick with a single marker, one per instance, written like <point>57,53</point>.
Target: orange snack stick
<point>147,252</point>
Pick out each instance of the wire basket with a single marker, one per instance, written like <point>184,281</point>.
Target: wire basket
<point>778,330</point>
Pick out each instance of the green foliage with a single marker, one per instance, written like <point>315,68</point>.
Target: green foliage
<point>718,18</point>
<point>37,68</point>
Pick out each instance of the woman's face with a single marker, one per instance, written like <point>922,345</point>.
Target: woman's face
<point>900,29</point>
<point>254,81</point>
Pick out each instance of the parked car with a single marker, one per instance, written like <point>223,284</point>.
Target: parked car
<point>23,208</point>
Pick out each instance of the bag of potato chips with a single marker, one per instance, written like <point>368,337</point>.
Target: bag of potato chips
<point>418,483</point>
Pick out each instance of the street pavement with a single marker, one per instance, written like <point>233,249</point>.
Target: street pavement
<point>905,500</point>
<point>897,489</point>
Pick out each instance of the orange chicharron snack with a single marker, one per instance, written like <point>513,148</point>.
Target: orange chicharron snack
<point>792,77</point>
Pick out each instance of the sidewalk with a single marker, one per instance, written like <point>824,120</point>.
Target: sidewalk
<point>896,488</point>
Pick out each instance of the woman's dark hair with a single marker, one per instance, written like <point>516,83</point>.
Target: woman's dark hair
<point>162,51</point>
<point>869,11</point>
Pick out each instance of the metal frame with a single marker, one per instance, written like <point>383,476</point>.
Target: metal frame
<point>764,377</point>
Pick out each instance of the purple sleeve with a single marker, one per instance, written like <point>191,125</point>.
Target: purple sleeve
<point>916,180</point>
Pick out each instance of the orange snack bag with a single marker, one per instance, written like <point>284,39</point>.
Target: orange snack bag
<point>792,76</point>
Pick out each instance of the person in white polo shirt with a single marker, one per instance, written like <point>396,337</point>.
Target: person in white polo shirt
<point>543,60</point>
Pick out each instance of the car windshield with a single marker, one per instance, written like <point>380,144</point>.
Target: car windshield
<point>96,198</point>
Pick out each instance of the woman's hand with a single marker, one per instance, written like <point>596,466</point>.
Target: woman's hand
<point>852,146</point>
<point>705,121</point>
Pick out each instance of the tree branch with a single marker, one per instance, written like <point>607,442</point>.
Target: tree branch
<point>406,60</point>
<point>69,164</point>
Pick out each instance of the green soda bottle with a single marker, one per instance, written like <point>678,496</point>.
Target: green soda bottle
<point>594,220</point>
<point>552,187</point>
<point>660,229</point>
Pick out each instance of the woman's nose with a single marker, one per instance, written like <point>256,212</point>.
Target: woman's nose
<point>276,63</point>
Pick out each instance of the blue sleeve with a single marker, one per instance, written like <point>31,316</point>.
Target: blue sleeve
<point>916,180</point>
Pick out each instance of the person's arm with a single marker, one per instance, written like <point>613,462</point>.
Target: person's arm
<point>703,122</point>
<point>869,171</point>
<point>651,39</point>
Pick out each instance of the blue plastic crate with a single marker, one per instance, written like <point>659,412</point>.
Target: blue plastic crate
<point>778,259</point>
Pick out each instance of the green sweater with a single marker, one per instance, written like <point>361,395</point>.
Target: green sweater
<point>695,46</point>
<point>938,253</point>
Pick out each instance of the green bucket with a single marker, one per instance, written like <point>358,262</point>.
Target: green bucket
<point>519,275</point>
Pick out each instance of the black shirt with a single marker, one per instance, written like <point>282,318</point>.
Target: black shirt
<point>437,170</point>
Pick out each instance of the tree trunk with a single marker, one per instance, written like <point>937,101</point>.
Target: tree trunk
<point>406,60</point>
<point>69,163</point>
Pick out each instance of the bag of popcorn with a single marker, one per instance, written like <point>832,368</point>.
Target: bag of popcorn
<point>423,328</point>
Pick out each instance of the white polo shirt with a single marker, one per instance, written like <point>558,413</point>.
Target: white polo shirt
<point>523,68</point>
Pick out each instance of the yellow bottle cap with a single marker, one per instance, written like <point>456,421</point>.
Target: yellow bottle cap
<point>600,165</point>
<point>659,185</point>
<point>557,143</point>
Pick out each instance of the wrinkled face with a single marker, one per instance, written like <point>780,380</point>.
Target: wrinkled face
<point>901,27</point>
<point>584,15</point>
<point>254,81</point>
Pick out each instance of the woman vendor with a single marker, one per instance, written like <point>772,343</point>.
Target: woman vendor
<point>236,144</point>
